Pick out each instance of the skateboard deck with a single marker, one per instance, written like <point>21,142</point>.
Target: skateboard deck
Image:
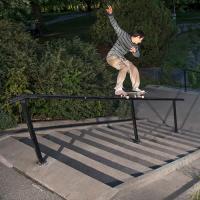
<point>136,94</point>
<point>139,94</point>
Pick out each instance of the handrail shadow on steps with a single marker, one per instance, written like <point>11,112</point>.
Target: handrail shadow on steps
<point>24,100</point>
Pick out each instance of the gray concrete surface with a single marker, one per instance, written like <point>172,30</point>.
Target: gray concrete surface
<point>188,111</point>
<point>177,185</point>
<point>102,162</point>
<point>15,186</point>
<point>98,162</point>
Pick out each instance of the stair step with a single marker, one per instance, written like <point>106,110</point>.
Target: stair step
<point>72,153</point>
<point>182,133</point>
<point>55,175</point>
<point>167,188</point>
<point>144,142</point>
<point>149,135</point>
<point>96,148</point>
<point>133,155</point>
<point>177,137</point>
<point>130,144</point>
<point>180,184</point>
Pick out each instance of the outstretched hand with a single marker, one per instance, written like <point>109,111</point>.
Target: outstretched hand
<point>133,50</point>
<point>109,10</point>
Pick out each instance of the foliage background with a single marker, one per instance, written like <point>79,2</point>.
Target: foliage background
<point>150,16</point>
<point>69,67</point>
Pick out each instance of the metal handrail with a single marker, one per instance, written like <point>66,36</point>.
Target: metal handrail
<point>24,100</point>
<point>185,76</point>
<point>44,96</point>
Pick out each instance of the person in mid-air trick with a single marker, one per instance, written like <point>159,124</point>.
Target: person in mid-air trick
<point>115,57</point>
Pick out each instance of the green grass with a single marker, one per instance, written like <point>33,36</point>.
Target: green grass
<point>74,27</point>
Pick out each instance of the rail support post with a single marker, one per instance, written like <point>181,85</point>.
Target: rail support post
<point>136,140</point>
<point>185,80</point>
<point>28,120</point>
<point>175,117</point>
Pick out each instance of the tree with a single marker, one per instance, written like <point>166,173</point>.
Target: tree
<point>17,10</point>
<point>37,14</point>
<point>89,4</point>
<point>181,4</point>
<point>57,67</point>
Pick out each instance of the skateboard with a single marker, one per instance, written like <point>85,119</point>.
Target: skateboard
<point>139,94</point>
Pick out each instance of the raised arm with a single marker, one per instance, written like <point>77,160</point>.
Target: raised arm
<point>113,22</point>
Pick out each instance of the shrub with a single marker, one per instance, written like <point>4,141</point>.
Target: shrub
<point>6,120</point>
<point>56,67</point>
<point>70,68</point>
<point>16,55</point>
<point>17,10</point>
<point>150,16</point>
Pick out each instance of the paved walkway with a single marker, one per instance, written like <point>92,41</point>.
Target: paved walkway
<point>15,186</point>
<point>65,18</point>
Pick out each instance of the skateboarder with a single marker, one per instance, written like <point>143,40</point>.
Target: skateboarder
<point>124,44</point>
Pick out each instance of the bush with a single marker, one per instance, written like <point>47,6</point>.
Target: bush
<point>16,55</point>
<point>188,46</point>
<point>150,16</point>
<point>17,10</point>
<point>6,120</point>
<point>57,67</point>
<point>70,68</point>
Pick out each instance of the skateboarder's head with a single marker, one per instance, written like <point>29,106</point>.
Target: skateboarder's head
<point>137,36</point>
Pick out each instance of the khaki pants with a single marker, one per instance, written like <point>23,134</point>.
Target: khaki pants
<point>124,66</point>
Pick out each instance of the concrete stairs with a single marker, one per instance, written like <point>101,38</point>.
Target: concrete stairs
<point>182,184</point>
<point>101,162</point>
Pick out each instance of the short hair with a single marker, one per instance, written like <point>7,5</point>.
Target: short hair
<point>137,33</point>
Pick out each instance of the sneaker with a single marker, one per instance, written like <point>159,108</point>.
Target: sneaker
<point>120,92</point>
<point>138,90</point>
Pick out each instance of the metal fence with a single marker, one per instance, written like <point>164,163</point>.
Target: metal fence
<point>24,100</point>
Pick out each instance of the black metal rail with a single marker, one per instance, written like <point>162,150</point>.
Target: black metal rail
<point>186,71</point>
<point>24,100</point>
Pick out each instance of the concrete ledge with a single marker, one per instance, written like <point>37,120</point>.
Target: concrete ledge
<point>4,161</point>
<point>158,173</point>
<point>190,193</point>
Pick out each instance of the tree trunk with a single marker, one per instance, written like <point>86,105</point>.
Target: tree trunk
<point>37,15</point>
<point>89,5</point>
